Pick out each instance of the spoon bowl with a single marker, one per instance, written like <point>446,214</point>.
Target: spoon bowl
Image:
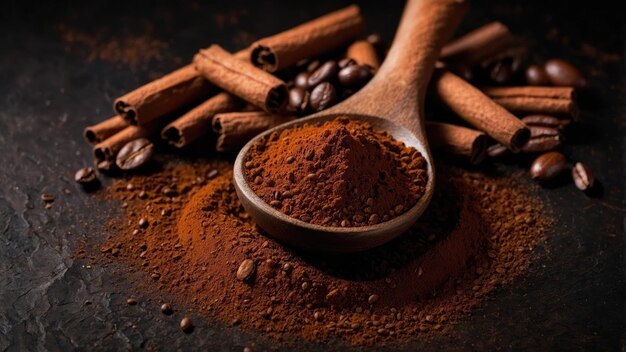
<point>392,101</point>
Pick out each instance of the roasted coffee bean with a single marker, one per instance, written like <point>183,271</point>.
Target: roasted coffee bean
<point>85,176</point>
<point>106,166</point>
<point>548,166</point>
<point>542,139</point>
<point>323,96</point>
<point>131,301</point>
<point>298,100</point>
<point>497,151</point>
<point>325,73</point>
<point>562,73</point>
<point>302,80</point>
<point>373,299</point>
<point>186,325</point>
<point>354,76</point>
<point>166,309</point>
<point>246,270</point>
<point>47,198</point>
<point>503,70</point>
<point>345,62</point>
<point>543,131</point>
<point>582,176</point>
<point>536,76</point>
<point>143,223</point>
<point>313,65</point>
<point>545,121</point>
<point>135,154</point>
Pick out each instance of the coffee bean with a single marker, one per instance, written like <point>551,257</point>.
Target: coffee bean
<point>582,176</point>
<point>354,76</point>
<point>536,76</point>
<point>545,120</point>
<point>497,150</point>
<point>47,198</point>
<point>373,299</point>
<point>168,192</point>
<point>543,131</point>
<point>166,309</point>
<point>186,325</point>
<point>562,73</point>
<point>313,65</point>
<point>325,73</point>
<point>323,96</point>
<point>131,301</point>
<point>302,80</point>
<point>135,154</point>
<point>212,174</point>
<point>246,270</point>
<point>548,166</point>
<point>542,139</point>
<point>143,223</point>
<point>106,166</point>
<point>85,176</point>
<point>298,100</point>
<point>345,62</point>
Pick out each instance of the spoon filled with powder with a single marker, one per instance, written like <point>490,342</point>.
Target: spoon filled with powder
<point>360,173</point>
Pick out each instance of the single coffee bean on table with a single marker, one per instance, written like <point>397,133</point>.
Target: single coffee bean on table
<point>548,166</point>
<point>583,177</point>
<point>186,325</point>
<point>135,154</point>
<point>85,176</point>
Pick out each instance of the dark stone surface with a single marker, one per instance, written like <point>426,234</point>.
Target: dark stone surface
<point>50,89</point>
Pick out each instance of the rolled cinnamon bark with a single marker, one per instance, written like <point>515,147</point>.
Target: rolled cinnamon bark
<point>241,79</point>
<point>235,129</point>
<point>108,149</point>
<point>364,53</point>
<point>535,99</point>
<point>478,45</point>
<point>105,129</point>
<point>197,121</point>
<point>480,111</point>
<point>456,140</point>
<point>308,40</point>
<point>167,94</point>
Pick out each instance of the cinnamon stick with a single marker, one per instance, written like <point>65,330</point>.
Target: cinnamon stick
<point>479,110</point>
<point>308,40</point>
<point>235,129</point>
<point>166,94</point>
<point>108,149</point>
<point>241,79</point>
<point>478,45</point>
<point>535,99</point>
<point>103,130</point>
<point>457,140</point>
<point>197,121</point>
<point>364,53</point>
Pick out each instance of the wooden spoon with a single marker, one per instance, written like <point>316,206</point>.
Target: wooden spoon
<point>392,101</point>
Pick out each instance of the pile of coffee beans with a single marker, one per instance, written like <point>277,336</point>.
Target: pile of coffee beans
<point>321,85</point>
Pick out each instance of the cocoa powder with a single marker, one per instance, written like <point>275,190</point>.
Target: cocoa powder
<point>338,173</point>
<point>478,234</point>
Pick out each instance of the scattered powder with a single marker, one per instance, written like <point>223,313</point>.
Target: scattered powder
<point>201,248</point>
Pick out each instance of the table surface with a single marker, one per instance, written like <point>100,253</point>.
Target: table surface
<point>56,77</point>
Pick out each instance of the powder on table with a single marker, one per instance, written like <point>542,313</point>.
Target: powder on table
<point>338,173</point>
<point>477,234</point>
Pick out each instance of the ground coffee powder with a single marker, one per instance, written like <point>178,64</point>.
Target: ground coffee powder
<point>185,229</point>
<point>338,173</point>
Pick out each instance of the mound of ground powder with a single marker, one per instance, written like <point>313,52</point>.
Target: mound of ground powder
<point>337,173</point>
<point>200,248</point>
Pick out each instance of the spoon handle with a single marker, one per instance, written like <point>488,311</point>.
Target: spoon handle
<point>425,27</point>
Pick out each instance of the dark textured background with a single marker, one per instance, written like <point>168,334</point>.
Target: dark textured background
<point>50,89</point>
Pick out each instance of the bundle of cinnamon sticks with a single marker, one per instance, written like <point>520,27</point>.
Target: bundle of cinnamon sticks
<point>236,96</point>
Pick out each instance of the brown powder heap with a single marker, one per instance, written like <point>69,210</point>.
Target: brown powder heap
<point>339,173</point>
<point>202,251</point>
